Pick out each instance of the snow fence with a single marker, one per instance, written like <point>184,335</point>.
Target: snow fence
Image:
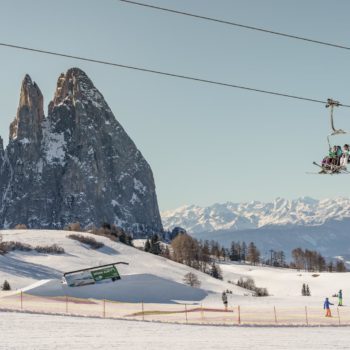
<point>176,313</point>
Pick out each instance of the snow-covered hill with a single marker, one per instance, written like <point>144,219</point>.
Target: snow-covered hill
<point>154,279</point>
<point>147,277</point>
<point>242,216</point>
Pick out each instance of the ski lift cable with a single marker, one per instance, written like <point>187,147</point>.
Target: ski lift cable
<point>217,20</point>
<point>167,74</point>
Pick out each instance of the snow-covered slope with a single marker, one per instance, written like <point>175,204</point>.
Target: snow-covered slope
<point>147,277</point>
<point>154,279</point>
<point>242,216</point>
<point>285,285</point>
<point>42,332</point>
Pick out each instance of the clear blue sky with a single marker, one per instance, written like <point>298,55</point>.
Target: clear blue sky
<point>204,143</point>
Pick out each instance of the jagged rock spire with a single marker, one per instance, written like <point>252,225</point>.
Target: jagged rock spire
<point>77,164</point>
<point>73,86</point>
<point>30,112</point>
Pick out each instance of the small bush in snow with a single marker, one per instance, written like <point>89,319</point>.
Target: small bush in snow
<point>21,227</point>
<point>261,292</point>
<point>305,290</point>
<point>6,286</point>
<point>50,249</point>
<point>90,241</point>
<point>9,246</point>
<point>74,226</point>
<point>249,284</point>
<point>192,280</point>
<point>114,233</point>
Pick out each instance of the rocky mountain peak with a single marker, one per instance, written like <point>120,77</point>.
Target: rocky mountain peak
<point>77,164</point>
<point>30,112</point>
<point>74,87</point>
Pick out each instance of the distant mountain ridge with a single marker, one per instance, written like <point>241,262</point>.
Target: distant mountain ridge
<point>231,216</point>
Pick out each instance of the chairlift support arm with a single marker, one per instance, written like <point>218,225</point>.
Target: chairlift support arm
<point>331,104</point>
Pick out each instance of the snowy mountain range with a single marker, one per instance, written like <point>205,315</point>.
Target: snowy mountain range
<point>321,225</point>
<point>231,216</point>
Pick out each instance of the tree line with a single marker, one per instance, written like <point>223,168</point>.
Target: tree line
<point>203,255</point>
<point>310,260</point>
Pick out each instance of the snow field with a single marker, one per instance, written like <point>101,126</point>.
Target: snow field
<point>263,315</point>
<point>152,287</point>
<point>42,332</point>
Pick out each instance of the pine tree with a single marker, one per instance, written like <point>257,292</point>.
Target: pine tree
<point>6,286</point>
<point>243,251</point>
<point>308,293</point>
<point>223,253</point>
<point>122,237</point>
<point>216,271</point>
<point>340,266</point>
<point>303,290</point>
<point>129,239</point>
<point>205,255</point>
<point>253,254</point>
<point>155,245</point>
<point>147,246</point>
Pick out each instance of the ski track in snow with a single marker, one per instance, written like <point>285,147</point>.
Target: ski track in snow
<point>41,332</point>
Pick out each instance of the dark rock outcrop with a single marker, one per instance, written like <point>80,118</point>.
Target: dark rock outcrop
<point>77,164</point>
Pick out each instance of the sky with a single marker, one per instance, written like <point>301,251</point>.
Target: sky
<point>205,143</point>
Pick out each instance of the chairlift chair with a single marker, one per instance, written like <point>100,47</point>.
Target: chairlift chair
<point>331,168</point>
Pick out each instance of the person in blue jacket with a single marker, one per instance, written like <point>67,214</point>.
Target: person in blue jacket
<point>340,296</point>
<point>327,308</point>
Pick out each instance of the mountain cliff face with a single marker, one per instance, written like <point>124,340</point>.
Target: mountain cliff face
<point>76,164</point>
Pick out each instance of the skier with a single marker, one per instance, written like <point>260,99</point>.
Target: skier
<point>340,296</point>
<point>326,307</point>
<point>224,299</point>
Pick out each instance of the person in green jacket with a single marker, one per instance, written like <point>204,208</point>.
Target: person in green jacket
<point>340,297</point>
<point>332,161</point>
